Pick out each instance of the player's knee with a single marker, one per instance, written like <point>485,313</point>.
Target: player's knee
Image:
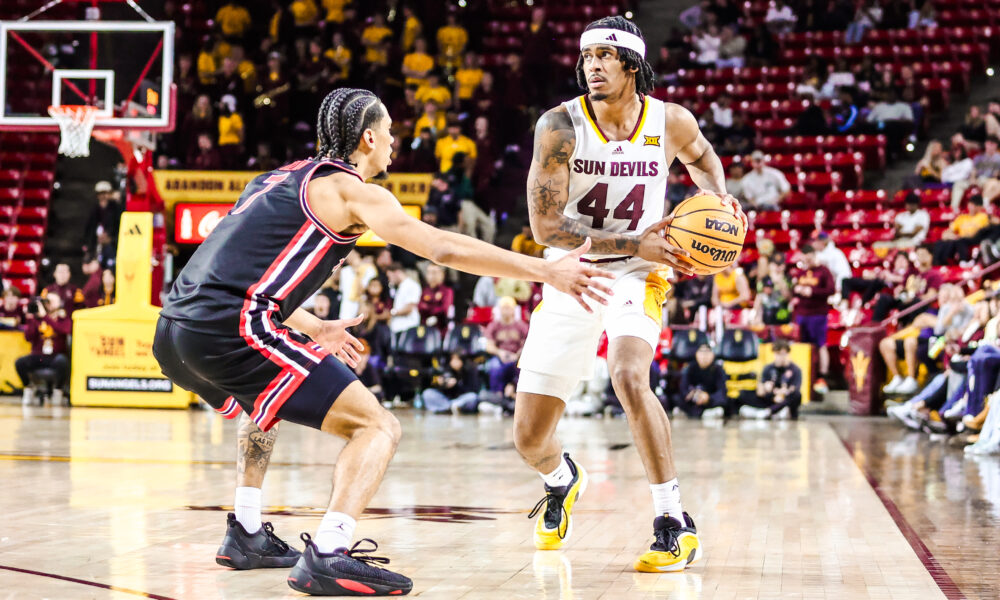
<point>527,440</point>
<point>388,425</point>
<point>630,380</point>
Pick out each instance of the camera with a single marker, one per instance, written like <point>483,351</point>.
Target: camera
<point>34,307</point>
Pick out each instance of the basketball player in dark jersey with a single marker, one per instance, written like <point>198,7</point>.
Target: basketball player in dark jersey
<point>231,330</point>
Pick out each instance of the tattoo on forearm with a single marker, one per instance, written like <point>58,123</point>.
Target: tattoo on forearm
<point>255,446</point>
<point>548,191</point>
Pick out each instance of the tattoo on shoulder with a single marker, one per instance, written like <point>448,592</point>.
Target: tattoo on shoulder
<point>555,139</point>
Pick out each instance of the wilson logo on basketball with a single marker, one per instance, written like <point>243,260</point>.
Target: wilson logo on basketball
<point>722,226</point>
<point>717,254</point>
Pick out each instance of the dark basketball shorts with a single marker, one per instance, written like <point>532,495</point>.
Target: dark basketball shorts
<point>813,329</point>
<point>287,377</point>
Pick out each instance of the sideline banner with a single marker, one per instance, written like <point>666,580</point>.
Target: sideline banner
<point>113,363</point>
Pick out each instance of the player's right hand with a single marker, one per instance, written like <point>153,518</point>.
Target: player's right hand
<point>579,279</point>
<point>654,247</point>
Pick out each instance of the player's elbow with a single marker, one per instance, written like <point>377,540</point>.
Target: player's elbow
<point>543,231</point>
<point>442,254</point>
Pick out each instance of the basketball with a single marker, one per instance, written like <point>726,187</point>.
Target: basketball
<point>709,230</point>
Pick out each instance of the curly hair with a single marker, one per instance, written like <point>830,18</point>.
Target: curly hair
<point>344,115</point>
<point>644,78</point>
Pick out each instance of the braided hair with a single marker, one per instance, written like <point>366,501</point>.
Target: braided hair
<point>644,78</point>
<point>344,115</point>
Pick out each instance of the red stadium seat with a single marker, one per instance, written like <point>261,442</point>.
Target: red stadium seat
<point>872,147</point>
<point>32,215</point>
<point>29,233</point>
<point>25,250</point>
<point>36,197</point>
<point>19,268</point>
<point>799,199</point>
<point>10,178</point>
<point>27,287</point>
<point>942,216</point>
<point>819,183</point>
<point>768,219</point>
<point>39,179</point>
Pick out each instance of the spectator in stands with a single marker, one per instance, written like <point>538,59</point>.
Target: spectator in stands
<point>762,48</point>
<point>322,307</point>
<point>376,306</point>
<point>706,44</point>
<point>451,39</point>
<point>732,49</point>
<point>11,312</point>
<point>207,158</point>
<point>433,91</point>
<point>71,296</point>
<point>812,290</point>
<point>957,165</point>
<point>264,160</point>
<point>368,373</point>
<point>354,276</point>
<point>437,303</point>
<point>722,110</point>
<point>524,243</point>
<point>201,120</point>
<point>764,187</point>
<point>695,16</point>
<point>774,295</point>
<point>412,28</point>
<point>894,118</point>
<point>504,339</point>
<point>780,17</point>
<point>867,15</point>
<point>456,389</point>
<point>958,239</point>
<point>985,174</point>
<point>422,159</point>
<point>691,300</point>
<point>538,46</point>
<point>832,257</point>
<point>921,284</point>
<point>433,120</point>
<point>417,64</point>
<point>452,143</point>
<point>730,289</point>
<point>909,226</point>
<point>405,299</point>
<point>779,388</point>
<point>973,129</point>
<point>712,131</point>
<point>467,80</point>
<point>739,139</point>
<point>375,38</point>
<point>871,283</point>
<point>104,218</point>
<point>703,387</point>
<point>47,328</point>
<point>233,20</point>
<point>104,293</point>
<point>444,200</point>
<point>928,169</point>
<point>231,132</point>
<point>734,182</point>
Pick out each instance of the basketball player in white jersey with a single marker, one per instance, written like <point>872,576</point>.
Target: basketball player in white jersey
<point>600,171</point>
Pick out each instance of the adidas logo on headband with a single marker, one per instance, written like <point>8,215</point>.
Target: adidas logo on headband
<point>613,37</point>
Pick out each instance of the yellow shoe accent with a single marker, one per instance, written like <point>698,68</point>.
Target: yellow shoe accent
<point>661,561</point>
<point>550,539</point>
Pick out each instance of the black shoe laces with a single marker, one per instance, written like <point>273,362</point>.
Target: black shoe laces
<point>667,539</point>
<point>364,554</point>
<point>554,511</point>
<point>269,532</point>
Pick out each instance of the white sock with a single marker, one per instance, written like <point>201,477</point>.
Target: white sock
<point>335,531</point>
<point>247,507</point>
<point>667,499</point>
<point>560,477</point>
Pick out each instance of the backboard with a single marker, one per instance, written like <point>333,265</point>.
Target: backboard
<point>125,68</point>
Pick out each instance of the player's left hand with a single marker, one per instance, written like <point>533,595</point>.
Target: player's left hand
<point>335,339</point>
<point>730,201</point>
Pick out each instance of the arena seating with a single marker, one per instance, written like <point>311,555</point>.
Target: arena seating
<point>27,172</point>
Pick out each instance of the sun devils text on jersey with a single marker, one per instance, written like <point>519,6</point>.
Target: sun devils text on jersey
<point>617,186</point>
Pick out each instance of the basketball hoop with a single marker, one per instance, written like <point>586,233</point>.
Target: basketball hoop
<point>76,123</point>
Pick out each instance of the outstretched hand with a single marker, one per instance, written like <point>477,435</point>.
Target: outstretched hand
<point>578,279</point>
<point>335,339</point>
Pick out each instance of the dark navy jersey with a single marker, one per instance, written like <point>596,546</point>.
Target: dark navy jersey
<point>263,260</point>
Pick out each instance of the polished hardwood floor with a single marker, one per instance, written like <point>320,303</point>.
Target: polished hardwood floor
<point>114,503</point>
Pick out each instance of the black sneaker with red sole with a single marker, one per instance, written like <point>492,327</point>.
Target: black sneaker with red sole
<point>345,572</point>
<point>260,550</point>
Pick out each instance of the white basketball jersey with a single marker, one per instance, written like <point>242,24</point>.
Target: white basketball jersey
<point>619,187</point>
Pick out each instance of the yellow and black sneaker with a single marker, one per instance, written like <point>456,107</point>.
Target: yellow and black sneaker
<point>554,524</point>
<point>676,546</point>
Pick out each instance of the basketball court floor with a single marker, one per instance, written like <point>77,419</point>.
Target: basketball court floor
<point>109,503</point>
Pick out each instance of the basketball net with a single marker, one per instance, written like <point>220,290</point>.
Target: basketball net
<point>76,123</point>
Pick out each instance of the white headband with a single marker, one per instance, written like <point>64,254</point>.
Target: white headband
<point>613,37</point>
